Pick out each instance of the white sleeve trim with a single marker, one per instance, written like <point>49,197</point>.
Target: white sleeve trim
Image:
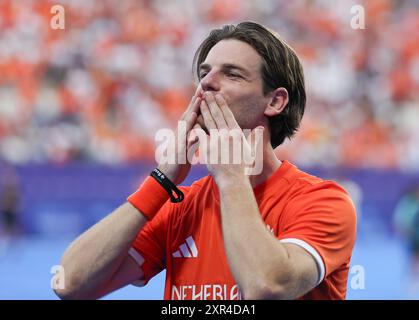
<point>312,251</point>
<point>140,260</point>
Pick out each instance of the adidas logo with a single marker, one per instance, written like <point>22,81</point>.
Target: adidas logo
<point>187,249</point>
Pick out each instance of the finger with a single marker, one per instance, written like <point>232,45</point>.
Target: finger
<point>206,114</point>
<point>228,115</point>
<point>194,103</point>
<point>200,121</point>
<point>193,107</point>
<point>196,132</point>
<point>198,90</point>
<point>215,111</point>
<point>197,95</point>
<point>183,129</point>
<point>192,152</point>
<point>197,137</point>
<point>193,136</point>
<point>191,120</point>
<point>193,144</point>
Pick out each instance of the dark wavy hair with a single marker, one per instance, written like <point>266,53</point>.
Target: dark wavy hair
<point>280,68</point>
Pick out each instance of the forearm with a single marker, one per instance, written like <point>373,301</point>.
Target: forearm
<point>95,256</point>
<point>254,255</point>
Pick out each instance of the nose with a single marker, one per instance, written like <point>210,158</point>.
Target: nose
<point>211,81</point>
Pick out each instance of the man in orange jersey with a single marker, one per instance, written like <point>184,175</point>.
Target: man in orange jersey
<point>273,233</point>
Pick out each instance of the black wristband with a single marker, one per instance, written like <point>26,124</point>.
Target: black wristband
<point>168,185</point>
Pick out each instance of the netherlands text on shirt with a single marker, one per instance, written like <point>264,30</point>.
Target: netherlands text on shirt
<point>205,292</point>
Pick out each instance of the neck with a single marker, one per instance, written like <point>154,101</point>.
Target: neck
<point>270,164</point>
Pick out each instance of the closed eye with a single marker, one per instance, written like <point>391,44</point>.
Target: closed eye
<point>228,74</point>
<point>202,75</point>
<point>233,75</point>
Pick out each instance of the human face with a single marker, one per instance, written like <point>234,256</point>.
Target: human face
<point>233,68</point>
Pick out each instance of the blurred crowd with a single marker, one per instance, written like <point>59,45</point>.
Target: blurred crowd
<point>120,70</point>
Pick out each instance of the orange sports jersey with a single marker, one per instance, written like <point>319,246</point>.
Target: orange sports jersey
<point>186,238</point>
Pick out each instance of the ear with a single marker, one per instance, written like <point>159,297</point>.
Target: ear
<point>278,101</point>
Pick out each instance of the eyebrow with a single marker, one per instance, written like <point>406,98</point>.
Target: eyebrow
<point>228,66</point>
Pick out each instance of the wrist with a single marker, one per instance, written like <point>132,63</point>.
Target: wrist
<point>229,182</point>
<point>153,193</point>
<point>149,198</point>
<point>167,172</point>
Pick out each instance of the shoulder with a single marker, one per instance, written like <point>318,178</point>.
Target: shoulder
<point>309,193</point>
<point>319,212</point>
<point>303,183</point>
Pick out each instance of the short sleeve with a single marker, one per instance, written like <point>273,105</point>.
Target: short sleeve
<point>149,247</point>
<point>324,217</point>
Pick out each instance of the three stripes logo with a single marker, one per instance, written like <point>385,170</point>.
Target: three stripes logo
<point>187,249</point>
